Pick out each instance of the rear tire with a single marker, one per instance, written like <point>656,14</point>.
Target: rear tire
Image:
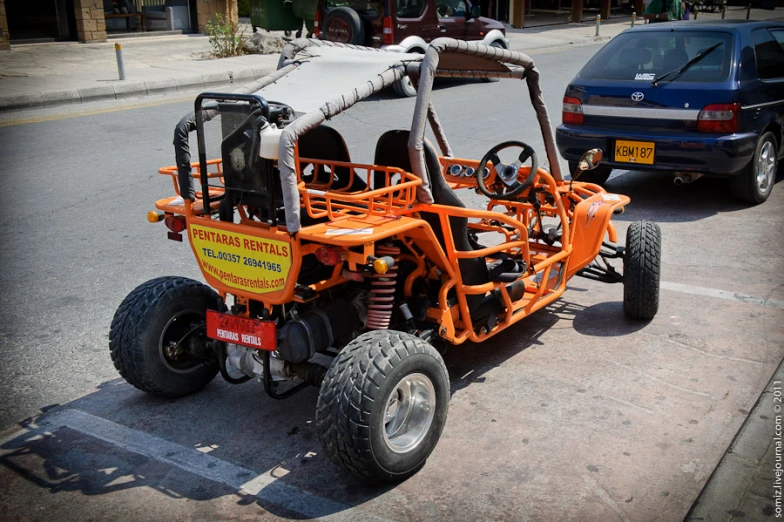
<point>156,316</point>
<point>347,20</point>
<point>642,270</point>
<point>755,182</point>
<point>599,175</point>
<point>365,419</point>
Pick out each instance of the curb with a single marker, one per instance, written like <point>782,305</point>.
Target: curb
<point>741,463</point>
<point>128,89</point>
<point>571,43</point>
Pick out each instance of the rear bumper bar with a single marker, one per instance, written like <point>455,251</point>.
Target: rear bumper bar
<point>690,152</point>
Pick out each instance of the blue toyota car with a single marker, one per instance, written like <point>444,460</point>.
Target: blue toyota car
<point>688,98</point>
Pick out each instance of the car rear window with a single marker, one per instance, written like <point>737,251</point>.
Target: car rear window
<point>646,55</point>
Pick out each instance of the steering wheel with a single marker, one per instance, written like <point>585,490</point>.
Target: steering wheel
<point>442,10</point>
<point>502,178</point>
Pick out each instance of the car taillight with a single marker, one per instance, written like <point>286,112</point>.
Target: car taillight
<point>572,111</point>
<point>719,117</point>
<point>316,25</point>
<point>330,255</point>
<point>389,35</point>
<point>175,223</point>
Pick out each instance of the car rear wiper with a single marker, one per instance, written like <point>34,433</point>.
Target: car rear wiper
<point>675,73</point>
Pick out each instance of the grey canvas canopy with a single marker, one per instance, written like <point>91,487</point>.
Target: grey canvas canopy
<point>307,79</point>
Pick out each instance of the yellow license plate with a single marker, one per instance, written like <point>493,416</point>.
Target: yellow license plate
<point>640,152</point>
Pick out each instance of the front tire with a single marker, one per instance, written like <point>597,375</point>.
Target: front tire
<point>642,270</point>
<point>383,405</point>
<point>151,332</point>
<point>599,175</point>
<point>404,88</point>
<point>755,183</point>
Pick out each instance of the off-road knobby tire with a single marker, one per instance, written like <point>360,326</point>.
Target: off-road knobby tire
<point>353,398</point>
<point>641,270</point>
<point>134,338</point>
<point>599,175</point>
<point>351,18</point>
<point>744,184</point>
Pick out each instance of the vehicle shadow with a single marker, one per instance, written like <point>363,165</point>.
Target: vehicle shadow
<point>655,197</point>
<point>468,363</point>
<point>274,443</point>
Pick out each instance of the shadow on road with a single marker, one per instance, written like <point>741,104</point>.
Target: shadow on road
<point>656,198</point>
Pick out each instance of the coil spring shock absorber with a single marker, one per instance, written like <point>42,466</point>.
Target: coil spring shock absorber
<point>382,293</point>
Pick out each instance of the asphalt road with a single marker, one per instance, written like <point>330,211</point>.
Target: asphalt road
<point>575,413</point>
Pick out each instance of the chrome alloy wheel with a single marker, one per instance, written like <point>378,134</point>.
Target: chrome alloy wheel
<point>766,167</point>
<point>409,413</point>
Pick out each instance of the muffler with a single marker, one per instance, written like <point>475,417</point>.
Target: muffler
<point>685,177</point>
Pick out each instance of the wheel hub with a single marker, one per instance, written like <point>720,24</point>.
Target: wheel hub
<point>766,166</point>
<point>409,413</point>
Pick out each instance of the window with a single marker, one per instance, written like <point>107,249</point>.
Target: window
<point>647,55</point>
<point>451,8</point>
<point>770,53</point>
<point>778,34</point>
<point>410,8</point>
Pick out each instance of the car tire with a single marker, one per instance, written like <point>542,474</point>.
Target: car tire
<point>599,175</point>
<point>365,417</point>
<point>642,270</point>
<point>404,88</point>
<point>494,44</point>
<point>351,23</point>
<point>156,314</point>
<point>755,182</point>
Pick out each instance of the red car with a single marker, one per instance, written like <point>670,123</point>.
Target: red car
<point>404,25</point>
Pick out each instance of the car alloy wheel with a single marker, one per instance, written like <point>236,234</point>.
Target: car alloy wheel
<point>766,167</point>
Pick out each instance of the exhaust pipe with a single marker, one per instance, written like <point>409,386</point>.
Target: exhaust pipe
<point>685,178</point>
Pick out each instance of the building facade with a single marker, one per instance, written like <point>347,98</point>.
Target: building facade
<point>94,20</point>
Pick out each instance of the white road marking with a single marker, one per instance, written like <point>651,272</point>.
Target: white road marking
<point>722,294</point>
<point>264,486</point>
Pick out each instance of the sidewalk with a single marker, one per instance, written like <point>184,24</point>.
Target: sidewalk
<point>52,74</point>
<point>747,483</point>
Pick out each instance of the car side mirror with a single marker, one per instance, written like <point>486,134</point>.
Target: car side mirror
<point>590,160</point>
<point>475,12</point>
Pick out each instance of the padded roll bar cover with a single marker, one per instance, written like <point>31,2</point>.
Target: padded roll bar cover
<point>428,72</point>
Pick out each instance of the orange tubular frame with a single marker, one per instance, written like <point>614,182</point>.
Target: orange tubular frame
<point>356,221</point>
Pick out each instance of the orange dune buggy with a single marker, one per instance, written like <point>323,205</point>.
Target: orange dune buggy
<point>340,275</point>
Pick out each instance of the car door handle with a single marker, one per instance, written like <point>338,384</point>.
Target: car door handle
<point>442,27</point>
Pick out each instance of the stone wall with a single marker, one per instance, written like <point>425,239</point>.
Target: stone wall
<point>90,23</point>
<point>5,38</point>
<point>206,9</point>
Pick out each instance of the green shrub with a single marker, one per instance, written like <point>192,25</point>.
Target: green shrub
<point>225,37</point>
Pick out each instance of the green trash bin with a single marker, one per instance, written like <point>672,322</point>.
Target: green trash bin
<point>274,15</point>
<point>306,10</point>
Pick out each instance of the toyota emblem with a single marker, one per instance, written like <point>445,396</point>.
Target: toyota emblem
<point>637,96</point>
